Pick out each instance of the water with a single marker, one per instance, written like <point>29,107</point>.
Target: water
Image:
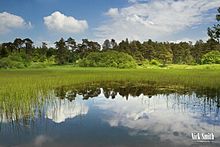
<point>117,115</point>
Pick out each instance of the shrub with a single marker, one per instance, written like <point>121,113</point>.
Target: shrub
<point>9,63</point>
<point>38,65</point>
<point>108,59</point>
<point>212,57</point>
<point>145,63</point>
<point>50,60</point>
<point>154,62</point>
<point>15,61</point>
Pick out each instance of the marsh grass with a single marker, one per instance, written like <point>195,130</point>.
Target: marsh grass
<point>22,91</point>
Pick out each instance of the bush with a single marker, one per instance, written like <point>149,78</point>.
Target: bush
<point>14,61</point>
<point>212,57</point>
<point>38,65</point>
<point>8,63</point>
<point>50,60</point>
<point>108,59</point>
<point>154,62</point>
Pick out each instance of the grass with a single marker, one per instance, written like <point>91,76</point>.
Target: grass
<point>20,89</point>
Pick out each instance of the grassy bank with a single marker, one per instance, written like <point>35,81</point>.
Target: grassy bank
<point>53,76</point>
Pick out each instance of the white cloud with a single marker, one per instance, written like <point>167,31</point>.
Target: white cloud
<point>193,40</point>
<point>132,1</point>
<point>135,1</point>
<point>155,19</point>
<point>113,12</point>
<point>10,21</point>
<point>64,24</point>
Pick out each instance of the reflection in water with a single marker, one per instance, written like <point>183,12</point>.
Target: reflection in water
<point>59,110</point>
<point>170,117</point>
<point>126,89</point>
<point>118,113</point>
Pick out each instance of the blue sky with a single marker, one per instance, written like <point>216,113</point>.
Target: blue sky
<point>162,20</point>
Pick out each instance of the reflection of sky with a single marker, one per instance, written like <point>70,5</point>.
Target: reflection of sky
<point>60,110</point>
<point>170,117</point>
<point>5,119</point>
<point>162,119</point>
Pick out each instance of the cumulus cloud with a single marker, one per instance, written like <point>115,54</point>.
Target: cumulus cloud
<point>10,21</point>
<point>64,24</point>
<point>155,19</point>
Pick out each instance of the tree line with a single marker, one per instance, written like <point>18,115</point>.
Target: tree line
<point>69,51</point>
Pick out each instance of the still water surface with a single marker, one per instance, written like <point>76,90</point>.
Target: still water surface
<point>119,115</point>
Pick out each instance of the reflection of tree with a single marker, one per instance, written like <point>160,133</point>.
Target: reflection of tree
<point>61,92</point>
<point>112,88</point>
<point>209,97</point>
<point>210,94</point>
<point>71,92</point>
<point>90,93</point>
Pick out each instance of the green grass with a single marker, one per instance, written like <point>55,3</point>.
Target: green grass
<point>20,89</point>
<point>54,76</point>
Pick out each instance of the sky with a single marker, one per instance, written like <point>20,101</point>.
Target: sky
<point>160,20</point>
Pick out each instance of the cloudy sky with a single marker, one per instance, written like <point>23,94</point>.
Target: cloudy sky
<point>161,20</point>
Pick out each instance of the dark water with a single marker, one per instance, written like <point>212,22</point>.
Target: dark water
<point>118,114</point>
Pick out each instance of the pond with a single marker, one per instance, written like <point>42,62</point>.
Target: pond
<point>117,114</point>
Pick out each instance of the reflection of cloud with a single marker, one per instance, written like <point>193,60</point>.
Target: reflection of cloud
<point>41,139</point>
<point>168,117</point>
<point>60,110</point>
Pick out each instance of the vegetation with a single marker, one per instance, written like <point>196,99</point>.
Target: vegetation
<point>67,52</point>
<point>212,57</point>
<point>15,61</point>
<point>108,59</point>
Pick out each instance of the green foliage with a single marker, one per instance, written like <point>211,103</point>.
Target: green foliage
<point>62,52</point>
<point>145,63</point>
<point>155,62</point>
<point>8,63</point>
<point>3,52</point>
<point>15,61</point>
<point>38,65</point>
<point>108,59</point>
<point>38,58</point>
<point>138,57</point>
<point>212,57</point>
<point>50,60</point>
<point>182,53</point>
